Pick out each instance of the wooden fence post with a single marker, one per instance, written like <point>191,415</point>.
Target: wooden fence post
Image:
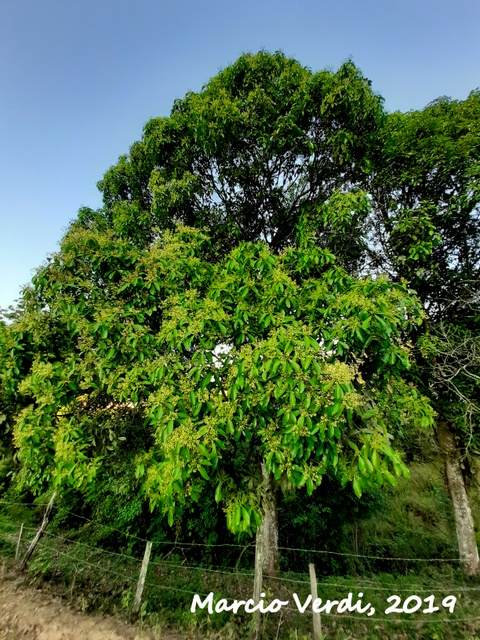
<point>40,532</point>
<point>141,579</point>
<point>17,550</point>
<point>317,621</point>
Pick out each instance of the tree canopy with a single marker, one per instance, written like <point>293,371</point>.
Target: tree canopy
<point>264,141</point>
<point>426,228</point>
<point>197,372</point>
<point>426,195</point>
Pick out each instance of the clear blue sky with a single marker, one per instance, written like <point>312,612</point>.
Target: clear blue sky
<point>79,79</point>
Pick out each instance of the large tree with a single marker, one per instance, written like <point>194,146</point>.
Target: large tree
<point>265,148</point>
<point>426,228</point>
<point>253,372</point>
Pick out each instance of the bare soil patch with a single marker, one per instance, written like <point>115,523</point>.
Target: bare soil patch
<point>31,614</point>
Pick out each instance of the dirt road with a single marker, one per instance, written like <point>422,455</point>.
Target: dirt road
<point>29,614</point>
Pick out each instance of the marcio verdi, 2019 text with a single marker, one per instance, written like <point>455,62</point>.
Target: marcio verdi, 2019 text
<point>410,604</point>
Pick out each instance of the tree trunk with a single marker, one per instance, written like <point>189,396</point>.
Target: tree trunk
<point>464,525</point>
<point>271,561</point>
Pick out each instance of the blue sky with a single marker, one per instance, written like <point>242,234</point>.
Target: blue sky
<point>79,79</point>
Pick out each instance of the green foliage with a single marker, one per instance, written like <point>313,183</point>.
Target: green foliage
<point>286,388</point>
<point>195,372</point>
<point>425,227</point>
<point>324,522</point>
<point>338,225</point>
<point>426,196</point>
<point>452,360</point>
<point>415,521</point>
<point>263,141</point>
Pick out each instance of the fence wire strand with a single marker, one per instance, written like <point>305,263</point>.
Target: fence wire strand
<point>176,543</point>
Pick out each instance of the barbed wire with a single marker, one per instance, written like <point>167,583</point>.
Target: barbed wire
<point>160,563</point>
<point>15,526</point>
<point>200,568</point>
<point>358,555</point>
<point>89,546</point>
<point>177,543</point>
<point>23,504</point>
<point>174,543</point>
<point>373,586</point>
<point>119,574</point>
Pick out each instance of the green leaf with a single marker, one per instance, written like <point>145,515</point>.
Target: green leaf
<point>203,473</point>
<point>279,390</point>
<point>356,487</point>
<point>246,516</point>
<point>390,478</point>
<point>362,467</point>
<point>237,516</point>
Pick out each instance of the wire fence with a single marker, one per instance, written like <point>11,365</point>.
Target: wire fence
<point>178,543</point>
<point>181,579</point>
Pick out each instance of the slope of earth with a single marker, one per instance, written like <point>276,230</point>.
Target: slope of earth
<point>29,614</point>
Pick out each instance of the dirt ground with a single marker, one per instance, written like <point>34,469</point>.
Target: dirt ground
<point>30,614</point>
